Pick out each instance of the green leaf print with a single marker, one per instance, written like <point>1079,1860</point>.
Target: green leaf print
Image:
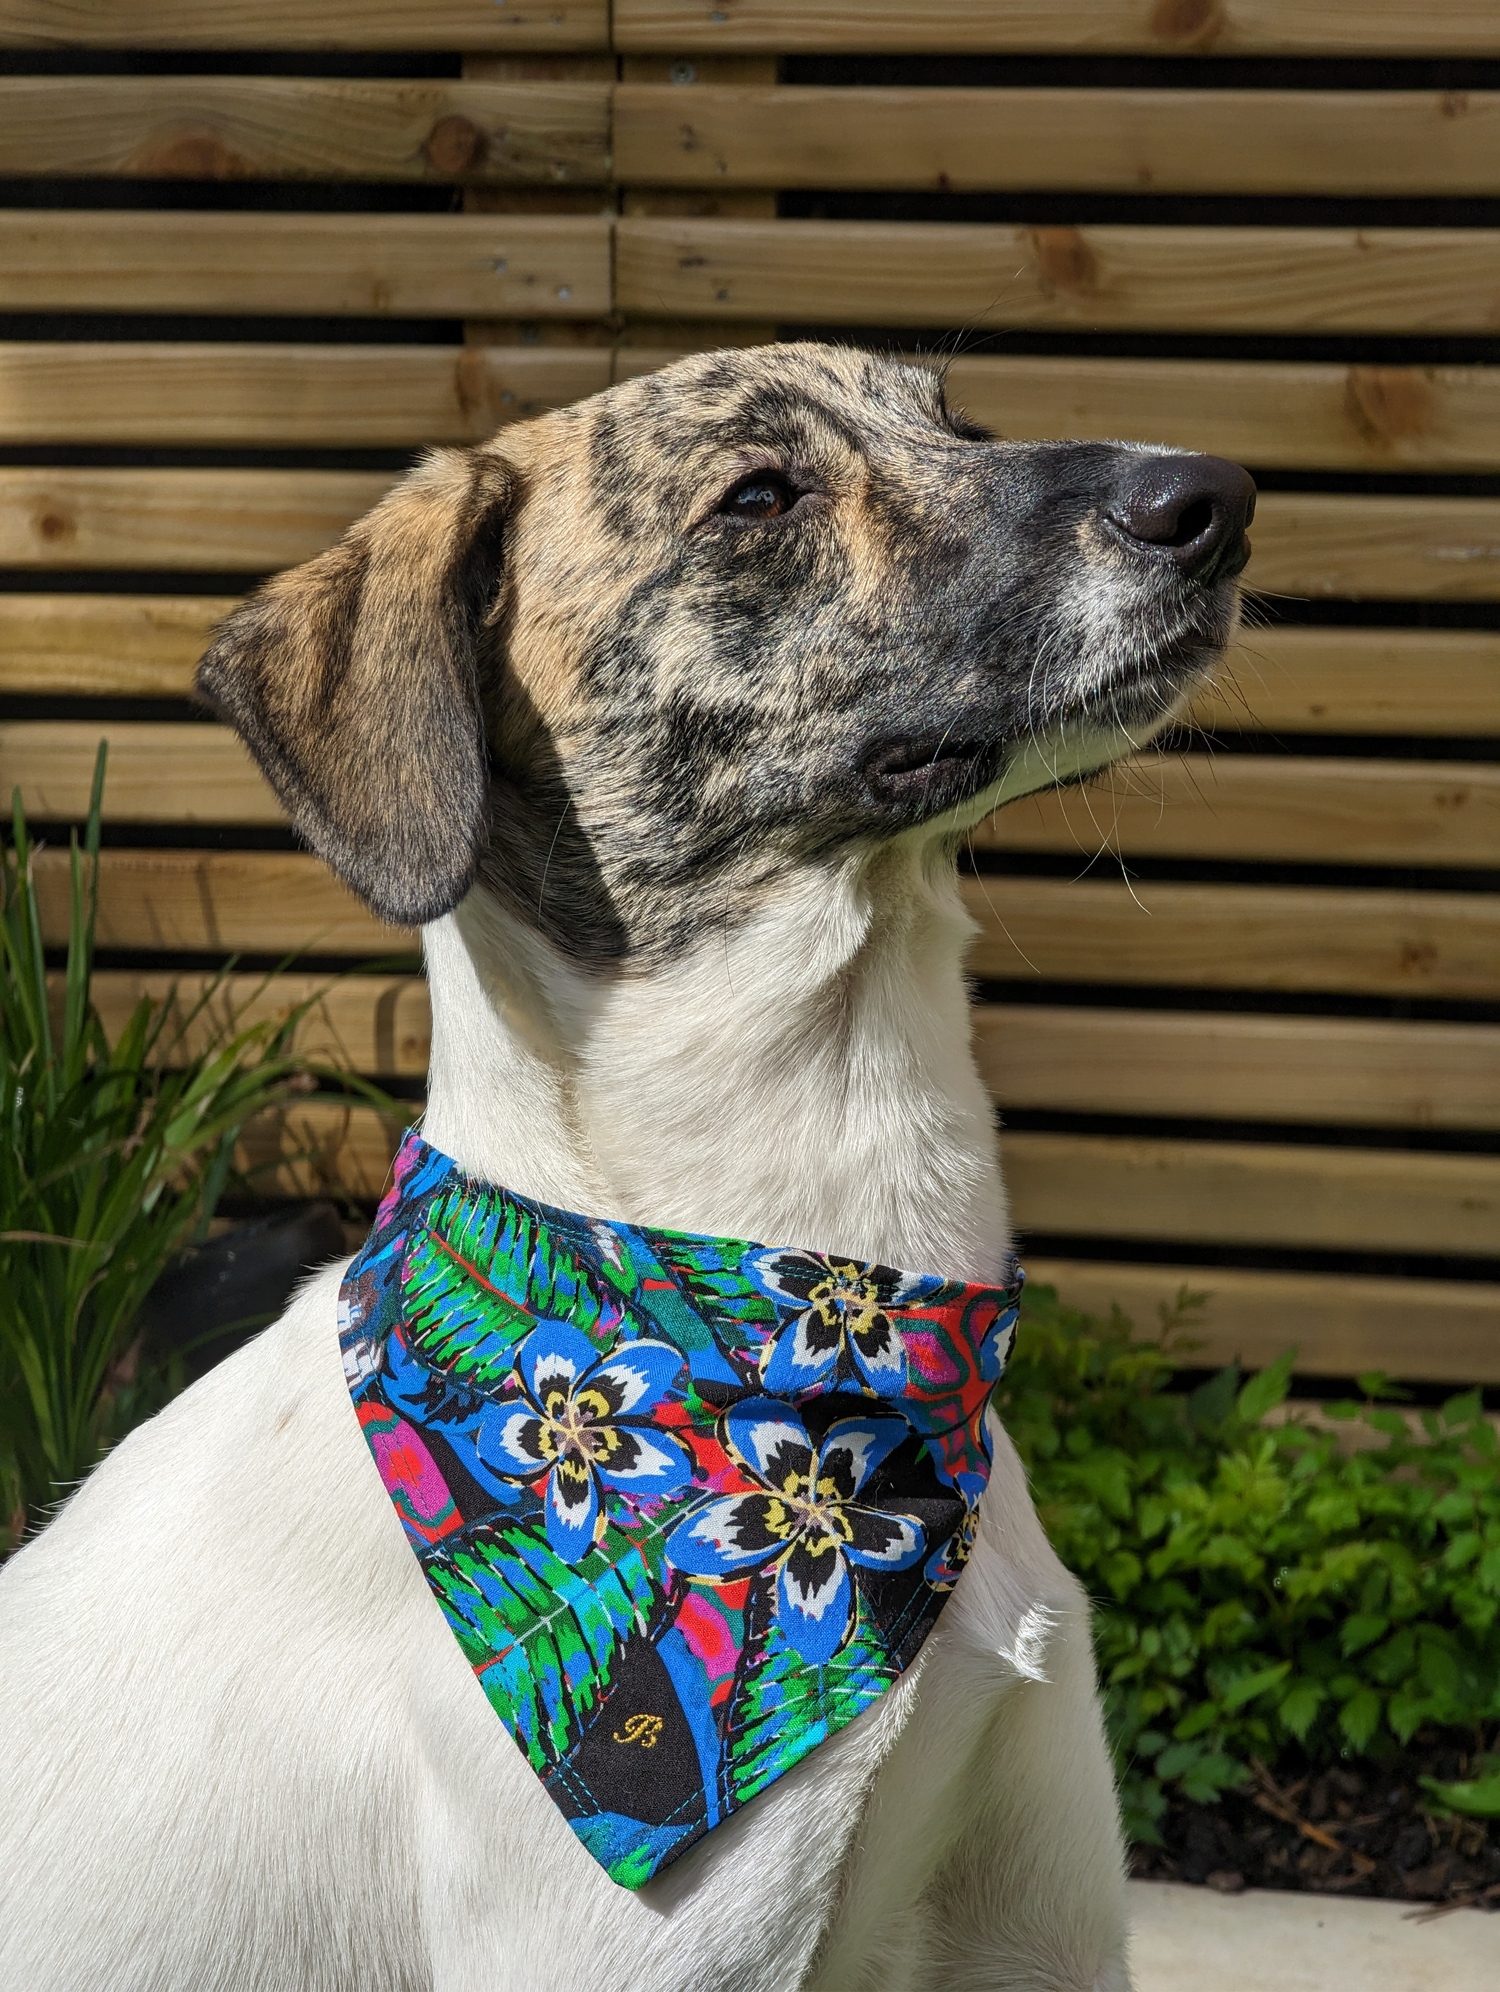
<point>462,1269</point>
<point>542,1635</point>
<point>457,1319</point>
<point>783,1708</point>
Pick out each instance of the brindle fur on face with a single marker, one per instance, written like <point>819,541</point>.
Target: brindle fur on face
<point>682,702</point>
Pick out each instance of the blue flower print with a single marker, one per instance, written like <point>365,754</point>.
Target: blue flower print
<point>945,1565</point>
<point>843,1325</point>
<point>800,1519</point>
<point>999,1341</point>
<point>580,1422</point>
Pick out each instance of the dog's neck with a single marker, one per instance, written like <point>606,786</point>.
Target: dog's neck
<point>805,1080</point>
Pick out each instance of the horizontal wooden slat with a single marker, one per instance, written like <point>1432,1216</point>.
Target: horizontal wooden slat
<point>1161,933</point>
<point>1096,278</point>
<point>1318,543</point>
<point>214,392</point>
<point>1160,141</point>
<point>319,1149</point>
<point>1300,808</point>
<point>1243,1193</point>
<point>158,772</point>
<point>208,902</point>
<point>370,265</point>
<point>235,521</point>
<point>298,127</point>
<point>111,646</point>
<point>1222,27</point>
<point>1341,1326</point>
<point>1286,678</point>
<point>1306,543</point>
<point>361,1023</point>
<point>1102,1061</point>
<point>1274,937</point>
<point>1195,805</point>
<point>1318,1069</point>
<point>295,24</point>
<point>1446,1331</point>
<point>1301,415</point>
<point>1295,415</point>
<point>1188,1192</point>
<point>1331,680</point>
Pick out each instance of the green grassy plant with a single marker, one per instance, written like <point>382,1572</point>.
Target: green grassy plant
<point>1260,1588</point>
<point>113,1156</point>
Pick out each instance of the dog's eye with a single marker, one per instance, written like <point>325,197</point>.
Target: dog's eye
<point>765,494</point>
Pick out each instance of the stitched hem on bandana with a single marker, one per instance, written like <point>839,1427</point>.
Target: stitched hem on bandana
<point>688,1504</point>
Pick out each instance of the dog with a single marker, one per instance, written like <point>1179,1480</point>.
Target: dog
<point>664,716</point>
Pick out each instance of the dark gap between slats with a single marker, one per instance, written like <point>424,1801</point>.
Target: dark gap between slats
<point>1255,1258</point>
<point>172,836</point>
<point>102,711</point>
<point>1038,207</point>
<point>371,65</point>
<point>1375,483</point>
<point>1044,207</point>
<point>207,961</point>
<point>1259,1133</point>
<point>1357,746</point>
<point>234,196</point>
<point>937,343</point>
<point>1109,866</point>
<point>228,328</point>
<point>129,581</point>
<point>1329,612</point>
<point>205,456</point>
<point>1027,990</point>
<point>1142,72</point>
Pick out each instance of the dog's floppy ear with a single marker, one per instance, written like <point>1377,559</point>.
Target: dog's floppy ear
<point>355,682</point>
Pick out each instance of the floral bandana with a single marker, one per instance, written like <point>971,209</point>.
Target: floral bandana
<point>689,1505</point>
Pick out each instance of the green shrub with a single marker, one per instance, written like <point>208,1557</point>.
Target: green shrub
<point>1259,1587</point>
<point>112,1157</point>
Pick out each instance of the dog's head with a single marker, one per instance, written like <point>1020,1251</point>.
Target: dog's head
<point>629,663</point>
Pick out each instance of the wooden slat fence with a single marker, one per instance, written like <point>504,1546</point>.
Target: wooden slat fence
<point>1145,27</point>
<point>1267,1064</point>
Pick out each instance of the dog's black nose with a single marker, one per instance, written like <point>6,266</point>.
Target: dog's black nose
<point>1192,509</point>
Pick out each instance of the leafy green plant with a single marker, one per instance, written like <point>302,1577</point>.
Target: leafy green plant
<point>1260,1588</point>
<point>112,1157</point>
<point>1476,1798</point>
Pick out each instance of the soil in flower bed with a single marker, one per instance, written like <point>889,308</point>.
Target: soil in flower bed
<point>1358,1829</point>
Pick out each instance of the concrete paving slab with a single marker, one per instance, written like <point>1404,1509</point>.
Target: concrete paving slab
<point>1193,1940</point>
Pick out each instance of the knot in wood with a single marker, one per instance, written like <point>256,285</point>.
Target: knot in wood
<point>55,527</point>
<point>1189,23</point>
<point>188,152</point>
<point>1065,262</point>
<point>455,145</point>
<point>1390,405</point>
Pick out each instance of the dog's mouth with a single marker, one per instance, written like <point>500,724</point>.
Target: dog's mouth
<point>915,778</point>
<point>1159,659</point>
<point>1174,655</point>
<point>1144,693</point>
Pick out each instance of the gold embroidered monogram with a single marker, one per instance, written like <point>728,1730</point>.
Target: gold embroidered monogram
<point>642,1729</point>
